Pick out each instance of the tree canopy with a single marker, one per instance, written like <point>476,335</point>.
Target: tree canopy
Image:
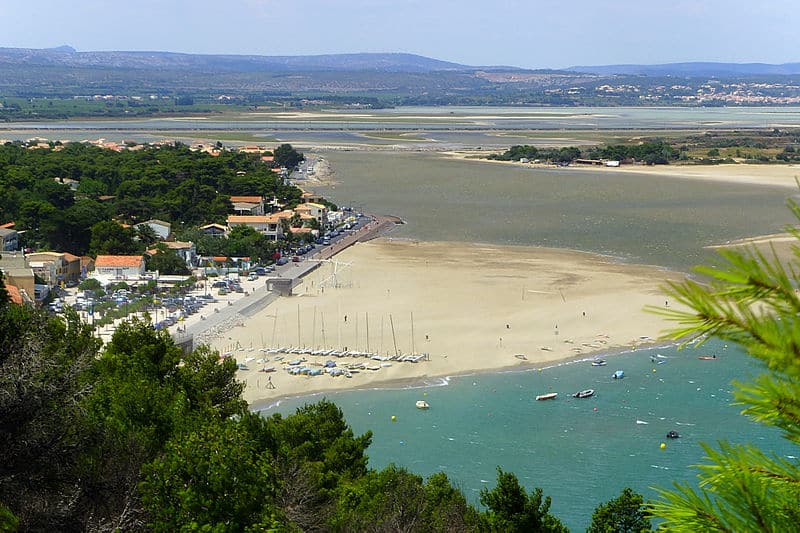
<point>57,195</point>
<point>749,298</point>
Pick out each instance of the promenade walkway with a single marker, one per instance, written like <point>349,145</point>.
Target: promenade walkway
<point>225,315</point>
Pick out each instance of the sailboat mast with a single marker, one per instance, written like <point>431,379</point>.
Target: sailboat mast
<point>413,350</point>
<point>394,339</point>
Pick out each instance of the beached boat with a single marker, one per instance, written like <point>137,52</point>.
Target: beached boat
<point>584,393</point>
<point>422,404</point>
<point>548,396</point>
<point>599,362</point>
<point>521,356</point>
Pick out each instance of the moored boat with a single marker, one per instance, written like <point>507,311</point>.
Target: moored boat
<point>707,357</point>
<point>599,362</point>
<point>619,374</point>
<point>422,404</point>
<point>584,393</point>
<point>548,396</point>
<point>673,435</point>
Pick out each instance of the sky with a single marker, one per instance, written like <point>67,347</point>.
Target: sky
<point>529,34</point>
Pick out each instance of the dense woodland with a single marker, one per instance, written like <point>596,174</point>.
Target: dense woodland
<point>171,183</point>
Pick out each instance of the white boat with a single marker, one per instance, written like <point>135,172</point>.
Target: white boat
<point>619,374</point>
<point>548,396</point>
<point>584,393</point>
<point>599,362</point>
<point>422,404</point>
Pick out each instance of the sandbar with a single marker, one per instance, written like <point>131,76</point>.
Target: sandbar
<point>471,308</point>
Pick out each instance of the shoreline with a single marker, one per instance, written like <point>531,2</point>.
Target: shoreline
<point>444,380</point>
<point>553,306</point>
<point>742,173</point>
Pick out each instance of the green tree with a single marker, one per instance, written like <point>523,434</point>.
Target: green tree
<point>511,509</point>
<point>623,514</point>
<point>110,238</point>
<point>45,363</point>
<point>4,297</point>
<point>210,479</point>
<point>166,261</point>
<point>750,299</point>
<point>286,156</point>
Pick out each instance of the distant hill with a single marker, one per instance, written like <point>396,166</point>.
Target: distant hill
<point>128,84</point>
<point>67,56</point>
<point>694,69</point>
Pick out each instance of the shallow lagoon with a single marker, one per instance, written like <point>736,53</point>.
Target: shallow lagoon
<point>634,217</point>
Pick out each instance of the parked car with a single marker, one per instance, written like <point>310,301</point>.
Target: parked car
<point>252,276</point>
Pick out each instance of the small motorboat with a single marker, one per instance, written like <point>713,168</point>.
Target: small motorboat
<point>619,374</point>
<point>548,396</point>
<point>584,393</point>
<point>599,362</point>
<point>673,435</point>
<point>707,357</point>
<point>422,404</point>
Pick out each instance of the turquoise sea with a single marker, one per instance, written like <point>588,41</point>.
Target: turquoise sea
<point>581,452</point>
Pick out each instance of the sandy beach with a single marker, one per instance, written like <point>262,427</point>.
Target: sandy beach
<point>472,308</point>
<point>768,175</point>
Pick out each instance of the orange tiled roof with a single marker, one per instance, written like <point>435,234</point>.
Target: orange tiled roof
<point>253,219</point>
<point>118,261</point>
<point>8,225</point>
<point>14,294</point>
<point>69,257</point>
<point>246,199</point>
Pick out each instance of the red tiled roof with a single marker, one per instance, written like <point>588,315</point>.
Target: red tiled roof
<point>246,199</point>
<point>14,294</point>
<point>118,261</point>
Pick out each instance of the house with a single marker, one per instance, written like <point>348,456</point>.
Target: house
<point>248,205</point>
<point>9,240</point>
<point>161,228</point>
<point>309,196</point>
<point>317,211</point>
<point>119,266</point>
<point>49,266</point>
<point>72,267</point>
<point>185,250</point>
<point>252,149</point>
<point>55,267</point>
<point>269,225</point>
<point>16,272</point>
<point>214,230</point>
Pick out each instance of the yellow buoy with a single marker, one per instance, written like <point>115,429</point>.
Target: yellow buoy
<point>654,371</point>
<point>663,446</point>
<point>394,418</point>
